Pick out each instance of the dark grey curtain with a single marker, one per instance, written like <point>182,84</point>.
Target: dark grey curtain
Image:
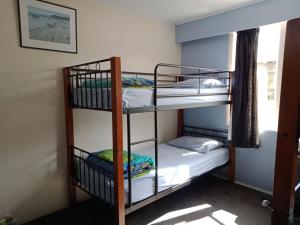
<point>244,109</point>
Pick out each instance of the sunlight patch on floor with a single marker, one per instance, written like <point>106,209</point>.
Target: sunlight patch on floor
<point>179,213</point>
<point>203,221</point>
<point>219,217</point>
<point>225,217</point>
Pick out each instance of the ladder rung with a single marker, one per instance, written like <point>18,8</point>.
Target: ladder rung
<point>143,141</point>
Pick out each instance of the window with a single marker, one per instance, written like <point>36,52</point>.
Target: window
<point>269,70</point>
<point>269,66</point>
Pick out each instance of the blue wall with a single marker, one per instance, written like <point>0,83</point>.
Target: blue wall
<point>210,53</point>
<point>254,167</point>
<point>266,12</point>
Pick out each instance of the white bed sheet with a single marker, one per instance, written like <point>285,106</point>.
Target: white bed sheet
<point>133,97</point>
<point>141,97</point>
<point>176,166</point>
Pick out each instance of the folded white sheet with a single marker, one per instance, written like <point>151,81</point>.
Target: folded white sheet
<point>141,97</point>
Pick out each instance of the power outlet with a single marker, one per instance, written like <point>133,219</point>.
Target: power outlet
<point>266,204</point>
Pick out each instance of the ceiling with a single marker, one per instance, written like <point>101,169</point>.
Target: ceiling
<point>178,11</point>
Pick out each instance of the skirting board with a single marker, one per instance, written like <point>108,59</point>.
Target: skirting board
<point>246,185</point>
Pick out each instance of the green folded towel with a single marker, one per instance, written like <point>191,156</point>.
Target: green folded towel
<point>108,155</point>
<point>139,164</point>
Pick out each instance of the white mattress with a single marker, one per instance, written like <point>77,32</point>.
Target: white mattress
<point>141,97</point>
<point>175,166</point>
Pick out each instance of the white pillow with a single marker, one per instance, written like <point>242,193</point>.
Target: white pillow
<point>204,83</point>
<point>209,83</point>
<point>198,144</point>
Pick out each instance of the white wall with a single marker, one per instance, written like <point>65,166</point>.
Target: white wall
<point>32,132</point>
<point>263,13</point>
<point>208,53</point>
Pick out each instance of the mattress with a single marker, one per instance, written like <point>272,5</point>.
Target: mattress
<point>175,166</point>
<point>142,97</point>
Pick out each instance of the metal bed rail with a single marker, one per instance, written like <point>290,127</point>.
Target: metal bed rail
<point>217,134</point>
<point>97,181</point>
<point>93,178</point>
<point>198,73</point>
<point>91,84</point>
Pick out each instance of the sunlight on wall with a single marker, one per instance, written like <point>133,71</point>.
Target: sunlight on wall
<point>178,213</point>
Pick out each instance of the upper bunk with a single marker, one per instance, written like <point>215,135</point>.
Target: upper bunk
<point>169,87</point>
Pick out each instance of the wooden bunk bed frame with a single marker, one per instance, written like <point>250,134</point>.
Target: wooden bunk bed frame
<point>94,70</point>
<point>285,176</point>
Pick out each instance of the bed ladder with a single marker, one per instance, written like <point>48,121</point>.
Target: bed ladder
<point>130,144</point>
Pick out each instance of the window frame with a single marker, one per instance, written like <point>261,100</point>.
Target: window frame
<point>231,66</point>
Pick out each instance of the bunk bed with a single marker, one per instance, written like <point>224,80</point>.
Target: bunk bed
<point>102,86</point>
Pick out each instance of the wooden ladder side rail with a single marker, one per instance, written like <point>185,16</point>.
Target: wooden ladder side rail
<point>287,143</point>
<point>180,122</point>
<point>69,136</point>
<point>117,132</point>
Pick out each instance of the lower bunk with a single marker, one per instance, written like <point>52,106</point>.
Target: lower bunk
<point>180,161</point>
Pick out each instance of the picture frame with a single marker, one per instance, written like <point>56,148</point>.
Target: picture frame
<point>47,26</point>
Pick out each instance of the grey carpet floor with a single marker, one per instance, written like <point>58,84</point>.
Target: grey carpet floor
<point>208,201</point>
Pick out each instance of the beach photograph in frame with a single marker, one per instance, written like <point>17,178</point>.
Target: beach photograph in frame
<point>48,26</point>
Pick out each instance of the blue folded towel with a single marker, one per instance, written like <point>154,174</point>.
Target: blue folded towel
<point>140,164</point>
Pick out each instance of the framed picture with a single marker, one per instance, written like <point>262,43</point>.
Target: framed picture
<point>49,26</point>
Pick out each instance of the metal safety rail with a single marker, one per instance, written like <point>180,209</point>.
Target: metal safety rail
<point>91,85</point>
<point>97,181</point>
<point>92,177</point>
<point>88,86</point>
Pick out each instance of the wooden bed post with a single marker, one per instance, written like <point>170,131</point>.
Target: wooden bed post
<point>117,127</point>
<point>231,166</point>
<point>180,115</point>
<point>288,128</point>
<point>69,136</point>
<point>180,122</point>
